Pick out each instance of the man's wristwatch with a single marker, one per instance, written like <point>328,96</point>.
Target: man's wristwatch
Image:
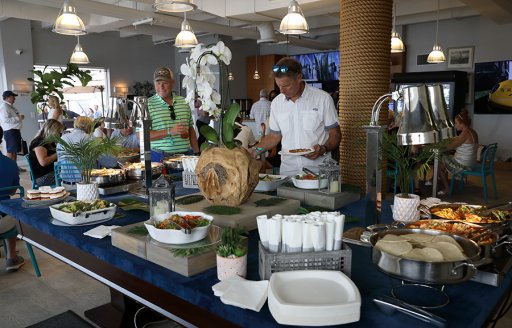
<point>260,150</point>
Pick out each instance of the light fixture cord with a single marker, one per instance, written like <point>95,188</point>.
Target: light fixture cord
<point>394,16</point>
<point>437,23</point>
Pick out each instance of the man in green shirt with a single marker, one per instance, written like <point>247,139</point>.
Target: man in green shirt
<point>172,130</point>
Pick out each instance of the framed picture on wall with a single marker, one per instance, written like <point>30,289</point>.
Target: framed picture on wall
<point>460,57</point>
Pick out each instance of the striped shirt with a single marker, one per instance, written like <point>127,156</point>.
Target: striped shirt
<point>161,120</point>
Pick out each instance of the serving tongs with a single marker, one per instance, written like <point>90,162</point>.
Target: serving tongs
<point>306,170</point>
<point>185,227</point>
<point>389,305</point>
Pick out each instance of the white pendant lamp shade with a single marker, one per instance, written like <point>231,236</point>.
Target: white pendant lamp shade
<point>79,56</point>
<point>396,43</point>
<point>436,55</point>
<point>186,38</point>
<point>231,77</point>
<point>256,75</point>
<point>294,22</point>
<point>68,22</point>
<point>174,6</point>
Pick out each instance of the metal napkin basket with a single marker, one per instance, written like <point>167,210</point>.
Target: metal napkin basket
<point>269,263</point>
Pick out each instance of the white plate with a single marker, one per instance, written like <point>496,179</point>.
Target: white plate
<point>83,217</point>
<point>172,236</point>
<point>62,224</point>
<point>46,201</point>
<point>277,180</point>
<point>287,152</point>
<point>309,184</point>
<point>313,298</point>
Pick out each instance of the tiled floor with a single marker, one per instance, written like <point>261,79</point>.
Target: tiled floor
<point>26,299</point>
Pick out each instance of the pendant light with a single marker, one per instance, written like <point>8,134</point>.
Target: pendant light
<point>294,22</point>
<point>396,42</point>
<point>174,6</point>
<point>68,22</point>
<point>79,56</point>
<point>256,75</point>
<point>186,39</point>
<point>436,55</point>
<point>231,77</point>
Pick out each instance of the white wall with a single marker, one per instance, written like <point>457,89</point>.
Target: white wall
<point>491,41</point>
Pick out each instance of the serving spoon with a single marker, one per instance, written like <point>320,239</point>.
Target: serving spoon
<point>389,305</point>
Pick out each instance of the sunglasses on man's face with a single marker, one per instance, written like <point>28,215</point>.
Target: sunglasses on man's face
<point>282,69</point>
<point>173,114</point>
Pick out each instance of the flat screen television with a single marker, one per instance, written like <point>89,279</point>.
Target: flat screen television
<point>493,87</point>
<point>320,66</point>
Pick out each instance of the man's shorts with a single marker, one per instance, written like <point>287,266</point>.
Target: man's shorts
<point>13,140</point>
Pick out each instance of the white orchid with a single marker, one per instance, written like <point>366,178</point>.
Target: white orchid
<point>202,82</point>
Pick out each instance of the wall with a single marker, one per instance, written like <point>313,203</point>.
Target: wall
<point>492,42</point>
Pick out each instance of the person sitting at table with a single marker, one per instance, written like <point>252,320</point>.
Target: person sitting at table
<point>128,137</point>
<point>9,176</point>
<point>42,155</point>
<point>56,112</point>
<point>466,148</point>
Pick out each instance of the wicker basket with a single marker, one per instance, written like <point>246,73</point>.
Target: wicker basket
<point>189,180</point>
<point>329,260</point>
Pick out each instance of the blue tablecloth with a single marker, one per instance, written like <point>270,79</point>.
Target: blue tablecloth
<point>471,302</point>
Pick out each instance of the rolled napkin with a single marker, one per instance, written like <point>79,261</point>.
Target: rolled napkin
<point>307,243</point>
<point>339,222</point>
<point>261,220</point>
<point>242,293</point>
<point>329,234</point>
<point>274,233</point>
<point>318,236</point>
<point>293,232</point>
<point>100,231</point>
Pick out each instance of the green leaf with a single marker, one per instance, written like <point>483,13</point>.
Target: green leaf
<point>190,199</point>
<point>209,133</point>
<point>228,124</point>
<point>222,210</point>
<point>269,201</point>
<point>190,252</point>
<point>138,230</point>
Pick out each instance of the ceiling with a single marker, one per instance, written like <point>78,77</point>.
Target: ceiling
<point>241,19</point>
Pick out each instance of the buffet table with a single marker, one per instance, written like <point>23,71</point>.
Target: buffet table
<point>191,301</point>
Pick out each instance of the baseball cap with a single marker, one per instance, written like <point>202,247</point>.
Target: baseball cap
<point>163,74</point>
<point>9,93</point>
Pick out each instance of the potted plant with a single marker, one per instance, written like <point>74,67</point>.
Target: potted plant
<point>226,173</point>
<point>406,166</point>
<point>231,254</point>
<point>84,155</point>
<point>51,83</point>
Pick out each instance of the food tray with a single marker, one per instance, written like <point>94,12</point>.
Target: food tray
<point>270,185</point>
<point>269,263</point>
<point>83,217</point>
<point>189,180</point>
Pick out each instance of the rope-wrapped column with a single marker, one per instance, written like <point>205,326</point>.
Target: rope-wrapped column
<point>365,36</point>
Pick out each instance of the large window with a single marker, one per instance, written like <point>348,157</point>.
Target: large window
<point>82,99</point>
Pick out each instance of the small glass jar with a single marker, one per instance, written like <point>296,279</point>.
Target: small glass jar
<point>162,197</point>
<point>330,170</point>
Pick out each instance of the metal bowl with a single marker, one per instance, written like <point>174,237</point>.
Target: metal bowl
<point>174,162</point>
<point>110,177</point>
<point>137,171</point>
<point>426,272</point>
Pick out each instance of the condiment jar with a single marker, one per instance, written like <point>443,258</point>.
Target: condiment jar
<point>330,170</point>
<point>162,197</point>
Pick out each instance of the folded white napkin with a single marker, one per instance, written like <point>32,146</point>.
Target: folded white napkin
<point>245,294</point>
<point>100,231</point>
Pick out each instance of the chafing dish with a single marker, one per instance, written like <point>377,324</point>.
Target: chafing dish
<point>108,176</point>
<point>136,170</point>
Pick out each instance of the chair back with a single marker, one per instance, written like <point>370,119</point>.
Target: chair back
<point>32,177</point>
<point>4,191</point>
<point>66,172</point>
<point>488,159</point>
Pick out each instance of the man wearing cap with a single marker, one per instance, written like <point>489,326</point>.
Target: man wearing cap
<point>301,117</point>
<point>172,130</point>
<point>260,110</point>
<point>11,122</point>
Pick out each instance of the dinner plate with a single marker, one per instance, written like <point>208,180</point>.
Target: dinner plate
<point>43,202</point>
<point>287,152</point>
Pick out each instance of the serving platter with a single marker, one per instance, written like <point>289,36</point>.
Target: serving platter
<point>46,202</point>
<point>80,218</point>
<point>299,153</point>
<point>276,181</point>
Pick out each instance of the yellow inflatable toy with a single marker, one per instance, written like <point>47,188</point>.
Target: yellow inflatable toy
<point>500,95</point>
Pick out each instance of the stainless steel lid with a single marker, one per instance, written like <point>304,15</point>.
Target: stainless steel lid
<point>440,112</point>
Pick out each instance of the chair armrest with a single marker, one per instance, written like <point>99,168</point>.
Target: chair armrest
<point>11,188</point>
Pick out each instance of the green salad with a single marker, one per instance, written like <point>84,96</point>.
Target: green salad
<point>83,206</point>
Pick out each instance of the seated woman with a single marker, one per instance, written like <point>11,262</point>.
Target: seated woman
<point>466,147</point>
<point>42,155</point>
<point>56,112</point>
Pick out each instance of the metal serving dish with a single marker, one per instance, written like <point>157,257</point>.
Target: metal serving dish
<point>136,170</point>
<point>480,212</point>
<point>174,162</point>
<point>426,272</point>
<point>108,176</point>
<point>128,155</point>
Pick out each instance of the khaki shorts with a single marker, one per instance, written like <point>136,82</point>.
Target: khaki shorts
<point>7,223</point>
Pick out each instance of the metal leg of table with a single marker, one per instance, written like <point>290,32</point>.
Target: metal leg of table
<point>436,172</point>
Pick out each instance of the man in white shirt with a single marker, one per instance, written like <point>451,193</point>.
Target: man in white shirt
<point>11,122</point>
<point>300,117</point>
<point>260,110</point>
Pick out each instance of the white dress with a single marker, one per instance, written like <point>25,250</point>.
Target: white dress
<point>51,114</point>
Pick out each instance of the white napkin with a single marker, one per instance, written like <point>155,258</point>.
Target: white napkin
<point>339,222</point>
<point>274,233</point>
<point>261,220</point>
<point>318,236</point>
<point>329,234</point>
<point>245,294</point>
<point>307,243</point>
<point>100,231</point>
<point>292,236</point>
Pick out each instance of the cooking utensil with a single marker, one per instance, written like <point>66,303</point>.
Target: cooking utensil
<point>308,171</point>
<point>389,305</point>
<point>447,272</point>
